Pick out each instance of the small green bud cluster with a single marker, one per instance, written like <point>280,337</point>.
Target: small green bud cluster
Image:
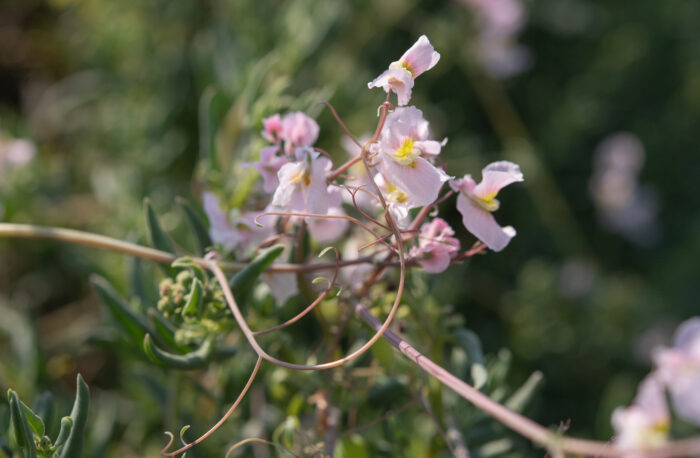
<point>197,310</point>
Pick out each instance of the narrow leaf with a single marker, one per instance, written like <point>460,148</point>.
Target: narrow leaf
<point>20,425</point>
<point>156,235</point>
<point>198,228</point>
<point>193,360</point>
<point>472,345</point>
<point>35,422</point>
<point>164,331</point>
<point>134,325</point>
<point>519,400</point>
<point>64,432</point>
<point>242,283</point>
<point>194,300</point>
<point>73,447</point>
<point>43,407</point>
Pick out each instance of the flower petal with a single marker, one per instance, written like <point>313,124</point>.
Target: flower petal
<point>483,225</point>
<point>397,80</point>
<point>420,57</point>
<point>421,181</point>
<point>299,129</point>
<point>496,176</point>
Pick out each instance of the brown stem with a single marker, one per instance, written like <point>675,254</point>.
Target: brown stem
<point>220,422</point>
<point>519,423</point>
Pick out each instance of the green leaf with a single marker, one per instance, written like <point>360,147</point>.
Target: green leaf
<point>43,406</point>
<point>64,432</point>
<point>198,228</point>
<point>193,360</point>
<point>73,447</point>
<point>472,345</point>
<point>156,235</point>
<point>20,425</point>
<point>188,263</point>
<point>519,400</point>
<point>165,331</point>
<point>134,325</point>
<point>35,422</point>
<point>242,283</point>
<point>193,306</point>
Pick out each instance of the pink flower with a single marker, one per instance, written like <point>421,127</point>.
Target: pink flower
<point>476,203</point>
<point>302,184</point>
<point>243,235</point>
<point>400,76</point>
<point>219,229</point>
<point>645,424</point>
<point>269,164</point>
<point>399,202</point>
<point>679,369</point>
<point>298,130</point>
<point>436,246</point>
<point>402,148</point>
<point>282,285</point>
<point>329,229</point>
<point>272,131</point>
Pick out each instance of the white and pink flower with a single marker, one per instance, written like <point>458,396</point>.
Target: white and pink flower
<point>329,229</point>
<point>679,370</point>
<point>403,148</point>
<point>436,246</point>
<point>302,184</point>
<point>269,164</point>
<point>241,234</point>
<point>646,423</point>
<point>400,76</point>
<point>477,202</point>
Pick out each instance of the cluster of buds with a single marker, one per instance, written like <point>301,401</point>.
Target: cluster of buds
<point>402,179</point>
<point>647,422</point>
<point>207,317</point>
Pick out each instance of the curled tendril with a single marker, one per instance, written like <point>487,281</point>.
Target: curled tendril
<point>218,424</point>
<point>309,308</point>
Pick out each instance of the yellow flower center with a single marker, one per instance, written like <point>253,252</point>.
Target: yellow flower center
<point>406,154</point>
<point>394,195</point>
<point>488,203</point>
<point>402,65</point>
<point>303,176</point>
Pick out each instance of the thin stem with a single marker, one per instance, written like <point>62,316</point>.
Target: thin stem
<point>316,215</point>
<point>519,423</point>
<point>342,124</point>
<point>425,210</point>
<point>29,231</point>
<point>223,282</point>
<point>340,170</point>
<point>221,421</point>
<point>317,301</point>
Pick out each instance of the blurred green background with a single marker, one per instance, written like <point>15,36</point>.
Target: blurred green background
<point>158,98</point>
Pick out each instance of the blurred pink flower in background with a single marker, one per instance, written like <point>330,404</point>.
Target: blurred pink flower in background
<point>298,130</point>
<point>498,24</point>
<point>623,205</point>
<point>399,77</point>
<point>240,234</point>
<point>646,422</point>
<point>679,370</point>
<point>477,202</point>
<point>272,129</point>
<point>14,153</point>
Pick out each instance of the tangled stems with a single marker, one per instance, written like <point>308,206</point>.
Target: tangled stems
<point>221,421</point>
<point>518,423</point>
